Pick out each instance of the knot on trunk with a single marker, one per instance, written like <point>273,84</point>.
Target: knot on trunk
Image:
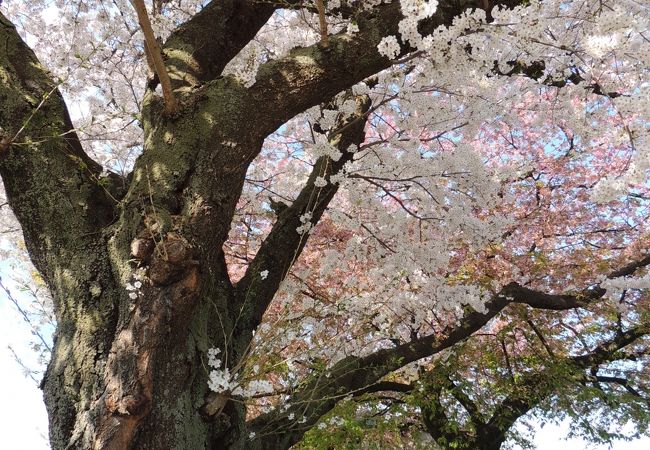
<point>135,404</point>
<point>171,260</point>
<point>142,248</point>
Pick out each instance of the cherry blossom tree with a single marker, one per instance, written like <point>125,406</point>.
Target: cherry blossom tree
<point>267,224</point>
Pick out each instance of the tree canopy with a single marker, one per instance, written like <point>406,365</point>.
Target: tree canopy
<point>330,223</point>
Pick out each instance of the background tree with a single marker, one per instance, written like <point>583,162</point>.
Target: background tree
<point>434,213</point>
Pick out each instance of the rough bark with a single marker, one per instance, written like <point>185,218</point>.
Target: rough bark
<point>43,165</point>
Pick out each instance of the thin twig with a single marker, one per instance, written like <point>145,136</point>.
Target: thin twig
<point>6,141</point>
<point>25,315</point>
<point>155,54</point>
<point>324,38</point>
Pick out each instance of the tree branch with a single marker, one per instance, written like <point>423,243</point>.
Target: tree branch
<point>199,49</point>
<point>535,71</point>
<point>53,189</point>
<point>284,242</point>
<point>466,402</point>
<point>309,76</point>
<point>43,164</point>
<point>439,426</point>
<point>541,338</point>
<point>152,50</point>
<point>622,382</point>
<point>608,350</point>
<point>383,386</point>
<point>521,294</point>
<point>357,374</point>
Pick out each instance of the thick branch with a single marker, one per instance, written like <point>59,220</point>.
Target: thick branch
<point>535,71</point>
<point>542,300</point>
<point>624,382</point>
<point>51,183</point>
<point>284,243</point>
<point>391,386</point>
<point>200,48</point>
<point>608,350</point>
<point>53,189</point>
<point>312,75</point>
<point>353,374</point>
<point>630,268</point>
<point>560,302</point>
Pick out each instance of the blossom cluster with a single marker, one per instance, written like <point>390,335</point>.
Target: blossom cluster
<point>221,380</point>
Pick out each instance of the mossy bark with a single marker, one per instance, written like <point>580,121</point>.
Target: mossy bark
<point>109,347</point>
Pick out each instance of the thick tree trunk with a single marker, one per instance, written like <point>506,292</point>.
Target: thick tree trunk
<point>116,380</point>
<point>128,363</point>
<point>92,240</point>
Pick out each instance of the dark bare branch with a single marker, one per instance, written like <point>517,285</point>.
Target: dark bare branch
<point>521,294</point>
<point>623,382</point>
<point>354,374</point>
<point>284,243</point>
<point>535,71</point>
